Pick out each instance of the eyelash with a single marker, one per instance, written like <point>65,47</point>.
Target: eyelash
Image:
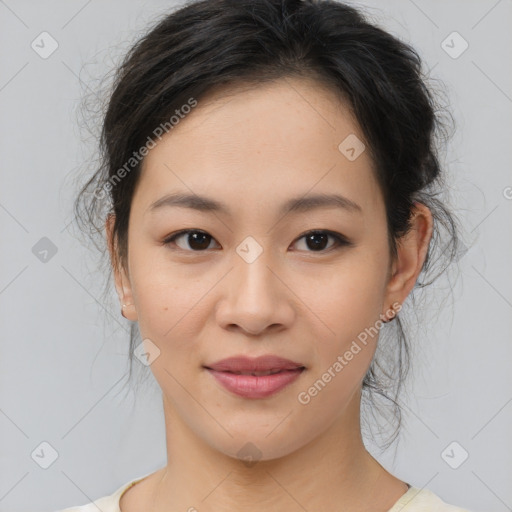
<point>340,240</point>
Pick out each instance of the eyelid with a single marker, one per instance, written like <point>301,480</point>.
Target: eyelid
<point>168,240</point>
<point>340,240</point>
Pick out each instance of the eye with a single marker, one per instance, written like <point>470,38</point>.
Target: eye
<point>197,240</point>
<point>317,240</point>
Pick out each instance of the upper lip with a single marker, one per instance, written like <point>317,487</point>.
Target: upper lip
<point>258,364</point>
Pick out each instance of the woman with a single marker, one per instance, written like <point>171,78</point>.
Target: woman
<point>271,171</point>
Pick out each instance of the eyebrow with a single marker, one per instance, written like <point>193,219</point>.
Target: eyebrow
<point>293,205</point>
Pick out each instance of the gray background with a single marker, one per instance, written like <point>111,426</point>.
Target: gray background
<point>64,348</point>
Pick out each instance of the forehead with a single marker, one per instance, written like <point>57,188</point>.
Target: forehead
<point>256,143</point>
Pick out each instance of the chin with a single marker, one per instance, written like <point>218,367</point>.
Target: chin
<point>251,445</point>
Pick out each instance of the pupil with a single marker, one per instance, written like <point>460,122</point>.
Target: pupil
<point>317,245</point>
<point>195,237</point>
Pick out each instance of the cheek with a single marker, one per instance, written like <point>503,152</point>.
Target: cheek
<point>344,304</point>
<point>347,296</point>
<point>348,302</point>
<point>171,303</point>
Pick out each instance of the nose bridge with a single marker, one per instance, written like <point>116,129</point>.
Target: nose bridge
<point>252,271</point>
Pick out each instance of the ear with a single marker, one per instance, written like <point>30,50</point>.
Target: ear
<point>411,253</point>
<point>121,277</point>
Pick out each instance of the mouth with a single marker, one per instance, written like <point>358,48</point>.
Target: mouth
<point>262,365</point>
<point>255,384</point>
<point>255,377</point>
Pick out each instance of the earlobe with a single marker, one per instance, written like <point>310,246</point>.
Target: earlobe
<point>123,310</point>
<point>412,250</point>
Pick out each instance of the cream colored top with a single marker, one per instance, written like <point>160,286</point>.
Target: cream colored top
<point>414,500</point>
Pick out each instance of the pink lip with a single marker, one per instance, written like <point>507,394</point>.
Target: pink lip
<point>227,372</point>
<point>250,386</point>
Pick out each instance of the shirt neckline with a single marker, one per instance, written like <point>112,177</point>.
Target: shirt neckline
<point>116,497</point>
<point>407,497</point>
<point>411,493</point>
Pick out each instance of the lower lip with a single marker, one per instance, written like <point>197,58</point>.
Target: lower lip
<point>252,386</point>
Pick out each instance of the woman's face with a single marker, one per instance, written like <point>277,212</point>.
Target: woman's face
<point>252,283</point>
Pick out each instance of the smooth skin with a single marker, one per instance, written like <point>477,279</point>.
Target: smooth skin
<point>254,148</point>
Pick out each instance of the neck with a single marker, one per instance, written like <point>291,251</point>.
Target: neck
<point>334,467</point>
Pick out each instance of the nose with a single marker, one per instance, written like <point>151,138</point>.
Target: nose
<point>256,298</point>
